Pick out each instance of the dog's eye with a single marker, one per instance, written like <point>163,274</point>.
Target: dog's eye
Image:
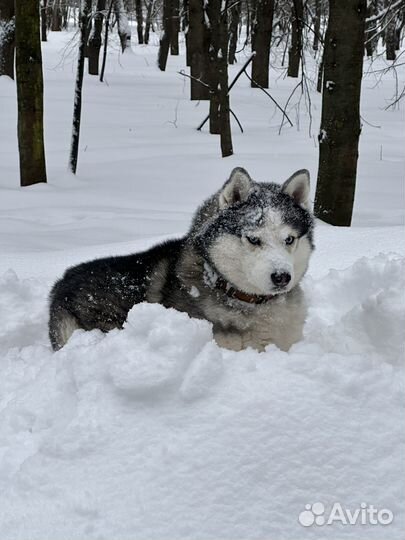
<point>289,240</point>
<point>254,241</point>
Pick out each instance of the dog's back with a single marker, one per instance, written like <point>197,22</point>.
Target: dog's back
<point>99,293</point>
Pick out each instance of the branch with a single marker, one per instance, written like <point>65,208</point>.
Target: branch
<point>236,118</point>
<point>272,99</point>
<point>194,79</point>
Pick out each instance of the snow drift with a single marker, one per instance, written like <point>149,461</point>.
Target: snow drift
<point>153,432</point>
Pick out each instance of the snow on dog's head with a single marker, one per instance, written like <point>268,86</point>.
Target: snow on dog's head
<point>256,235</point>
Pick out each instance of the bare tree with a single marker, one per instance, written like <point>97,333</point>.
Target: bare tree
<point>317,24</point>
<point>44,20</point>
<point>371,38</point>
<point>139,20</point>
<point>218,59</point>
<point>340,124</point>
<point>234,12</point>
<point>175,24</point>
<point>390,37</point>
<point>94,42</point>
<point>7,36</point>
<point>261,38</point>
<point>77,105</point>
<point>198,42</point>
<point>30,92</point>
<point>56,20</point>
<point>124,30</point>
<point>148,21</point>
<point>166,35</point>
<point>295,52</point>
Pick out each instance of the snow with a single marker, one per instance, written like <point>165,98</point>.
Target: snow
<point>154,431</point>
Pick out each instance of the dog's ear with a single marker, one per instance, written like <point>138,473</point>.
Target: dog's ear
<point>297,187</point>
<point>236,189</point>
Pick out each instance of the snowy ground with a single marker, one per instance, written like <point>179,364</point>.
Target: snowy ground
<point>154,432</point>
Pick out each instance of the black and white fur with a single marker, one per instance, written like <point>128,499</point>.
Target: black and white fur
<point>256,238</point>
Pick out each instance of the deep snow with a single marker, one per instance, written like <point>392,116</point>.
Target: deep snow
<point>154,432</point>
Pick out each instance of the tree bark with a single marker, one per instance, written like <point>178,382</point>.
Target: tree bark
<point>30,92</point>
<point>218,58</point>
<point>56,21</point>
<point>107,26</point>
<point>317,24</point>
<point>77,106</point>
<point>139,20</point>
<point>261,40</point>
<point>94,43</point>
<point>124,30</point>
<point>233,30</point>
<point>175,23</point>
<point>166,35</point>
<point>340,124</point>
<point>7,37</point>
<point>198,42</point>
<point>371,29</point>
<point>390,38</point>
<point>295,52</point>
<point>148,21</point>
<point>44,20</point>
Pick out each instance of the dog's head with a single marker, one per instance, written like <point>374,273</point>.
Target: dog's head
<point>257,236</point>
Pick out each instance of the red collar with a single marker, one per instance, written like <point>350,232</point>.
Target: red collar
<point>230,291</point>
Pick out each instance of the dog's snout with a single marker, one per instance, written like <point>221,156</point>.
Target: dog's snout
<point>280,279</point>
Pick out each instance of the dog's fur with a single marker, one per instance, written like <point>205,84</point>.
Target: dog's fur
<point>215,272</point>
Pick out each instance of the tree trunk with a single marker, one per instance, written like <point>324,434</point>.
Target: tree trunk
<point>56,21</point>
<point>295,52</point>
<point>261,41</point>
<point>30,92</point>
<point>390,39</point>
<point>44,20</point>
<point>107,26</point>
<point>371,29</point>
<point>252,21</point>
<point>218,58</point>
<point>320,73</point>
<point>233,30</point>
<point>198,42</point>
<point>139,20</point>
<point>166,35</point>
<point>94,43</point>
<point>184,19</point>
<point>175,23</point>
<point>77,106</point>
<point>7,37</point>
<point>148,21</point>
<point>124,30</point>
<point>317,24</point>
<point>340,124</point>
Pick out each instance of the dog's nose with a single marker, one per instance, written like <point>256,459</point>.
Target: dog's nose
<point>280,279</point>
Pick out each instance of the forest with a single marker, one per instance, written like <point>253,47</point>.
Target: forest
<point>137,129</point>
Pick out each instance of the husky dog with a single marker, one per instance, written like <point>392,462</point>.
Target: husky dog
<point>238,267</point>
